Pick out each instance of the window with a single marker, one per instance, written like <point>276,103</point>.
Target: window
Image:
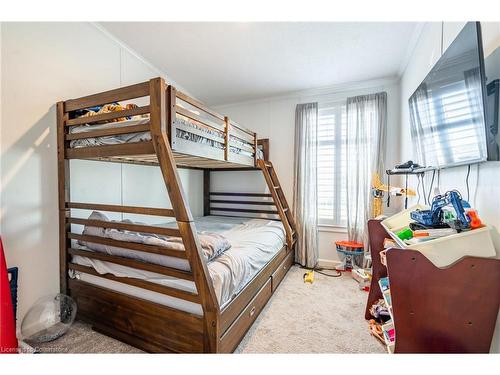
<point>332,132</point>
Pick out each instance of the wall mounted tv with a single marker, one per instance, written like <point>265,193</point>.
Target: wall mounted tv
<point>447,111</point>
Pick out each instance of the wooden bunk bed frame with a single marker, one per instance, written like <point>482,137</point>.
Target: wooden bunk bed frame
<point>147,325</point>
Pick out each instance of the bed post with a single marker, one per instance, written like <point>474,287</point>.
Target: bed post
<point>63,193</point>
<point>227,123</point>
<point>206,192</point>
<point>264,142</point>
<point>203,281</point>
<point>255,150</point>
<point>171,102</point>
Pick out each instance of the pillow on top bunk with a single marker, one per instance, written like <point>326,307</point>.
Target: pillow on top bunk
<point>212,244</point>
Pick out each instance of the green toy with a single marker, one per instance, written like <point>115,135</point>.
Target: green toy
<point>405,234</point>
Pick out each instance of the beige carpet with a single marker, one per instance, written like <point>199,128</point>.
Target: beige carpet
<point>325,317</point>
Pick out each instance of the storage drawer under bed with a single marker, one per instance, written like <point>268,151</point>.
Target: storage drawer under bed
<point>281,271</point>
<point>234,334</point>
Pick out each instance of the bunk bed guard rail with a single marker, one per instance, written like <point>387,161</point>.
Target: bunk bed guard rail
<point>198,136</point>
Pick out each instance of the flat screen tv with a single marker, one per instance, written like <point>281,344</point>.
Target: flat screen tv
<point>447,111</point>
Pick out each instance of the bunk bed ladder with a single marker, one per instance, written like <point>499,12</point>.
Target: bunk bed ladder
<point>280,200</point>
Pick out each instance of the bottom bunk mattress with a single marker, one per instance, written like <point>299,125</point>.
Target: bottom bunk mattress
<point>254,242</point>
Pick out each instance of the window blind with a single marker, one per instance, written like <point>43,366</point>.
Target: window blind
<point>331,182</point>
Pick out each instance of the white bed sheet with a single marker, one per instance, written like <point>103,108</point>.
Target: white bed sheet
<point>254,242</point>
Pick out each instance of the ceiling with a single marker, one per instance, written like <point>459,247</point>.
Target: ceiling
<point>222,63</point>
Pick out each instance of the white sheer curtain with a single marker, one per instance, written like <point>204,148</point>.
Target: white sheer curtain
<point>366,124</point>
<point>305,189</point>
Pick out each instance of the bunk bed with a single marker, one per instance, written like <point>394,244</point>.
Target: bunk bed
<point>177,286</point>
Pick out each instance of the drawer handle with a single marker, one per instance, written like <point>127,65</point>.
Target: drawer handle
<point>252,312</point>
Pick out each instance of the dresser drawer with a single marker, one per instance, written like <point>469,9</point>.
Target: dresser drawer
<point>280,273</point>
<point>243,322</point>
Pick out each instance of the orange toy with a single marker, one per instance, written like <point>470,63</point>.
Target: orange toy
<point>8,340</point>
<point>475,221</point>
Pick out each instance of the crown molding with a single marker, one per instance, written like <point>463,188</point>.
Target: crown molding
<point>303,95</point>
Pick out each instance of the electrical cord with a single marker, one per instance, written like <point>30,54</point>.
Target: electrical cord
<point>423,189</point>
<point>321,271</point>
<point>432,184</point>
<point>406,192</point>
<point>467,182</point>
<point>418,188</point>
<point>421,181</point>
<point>388,190</point>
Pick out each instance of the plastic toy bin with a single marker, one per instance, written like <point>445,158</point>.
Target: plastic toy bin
<point>443,251</point>
<point>350,253</point>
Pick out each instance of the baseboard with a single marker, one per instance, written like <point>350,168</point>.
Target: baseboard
<point>328,263</point>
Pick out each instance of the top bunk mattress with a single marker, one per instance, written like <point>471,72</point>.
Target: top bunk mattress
<point>185,130</point>
<point>254,242</point>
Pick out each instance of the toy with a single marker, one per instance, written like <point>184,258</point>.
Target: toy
<point>378,190</point>
<point>434,217</point>
<point>309,277</point>
<point>475,221</point>
<point>379,310</point>
<point>434,233</point>
<point>350,253</point>
<point>376,330</point>
<point>363,277</point>
<point>405,234</point>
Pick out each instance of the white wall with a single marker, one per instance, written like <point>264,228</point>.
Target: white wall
<point>484,178</point>
<point>274,118</point>
<point>485,187</point>
<point>42,64</point>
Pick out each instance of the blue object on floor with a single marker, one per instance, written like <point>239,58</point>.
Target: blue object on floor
<point>13,274</point>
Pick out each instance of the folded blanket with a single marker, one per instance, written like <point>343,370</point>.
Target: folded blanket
<point>212,244</point>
